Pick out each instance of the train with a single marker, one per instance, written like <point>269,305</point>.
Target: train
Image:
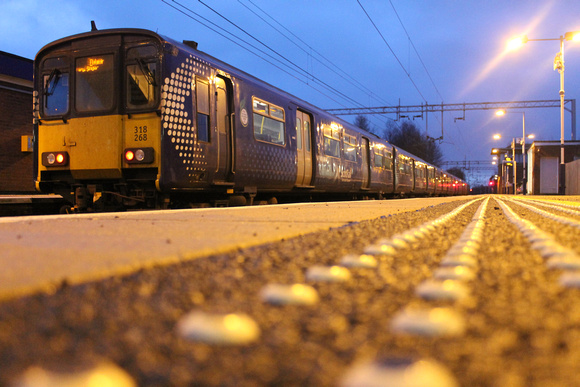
<point>127,118</point>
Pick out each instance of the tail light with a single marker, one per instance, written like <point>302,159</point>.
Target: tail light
<point>55,159</point>
<point>139,155</point>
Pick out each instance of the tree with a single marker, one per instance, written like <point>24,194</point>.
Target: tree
<point>362,122</point>
<point>409,137</point>
<point>457,172</point>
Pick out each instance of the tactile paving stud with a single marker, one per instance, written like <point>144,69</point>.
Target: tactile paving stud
<point>431,322</point>
<point>459,260</point>
<point>564,262</point>
<point>328,274</point>
<point>398,373</point>
<point>228,329</point>
<point>570,279</point>
<point>458,273</point>
<point>87,375</point>
<point>365,261</point>
<point>297,294</point>
<point>448,290</point>
<point>380,249</point>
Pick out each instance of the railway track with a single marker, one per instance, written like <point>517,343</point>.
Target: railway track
<point>475,292</point>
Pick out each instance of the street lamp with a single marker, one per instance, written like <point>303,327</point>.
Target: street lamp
<point>501,113</point>
<point>558,65</point>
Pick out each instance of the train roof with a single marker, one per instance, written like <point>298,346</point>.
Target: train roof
<point>219,63</point>
<point>188,47</point>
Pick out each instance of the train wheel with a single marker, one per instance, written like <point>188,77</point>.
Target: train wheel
<point>237,200</point>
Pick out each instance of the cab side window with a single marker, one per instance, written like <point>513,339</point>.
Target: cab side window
<point>55,81</point>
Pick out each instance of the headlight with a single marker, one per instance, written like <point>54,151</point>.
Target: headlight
<point>55,159</point>
<point>139,155</point>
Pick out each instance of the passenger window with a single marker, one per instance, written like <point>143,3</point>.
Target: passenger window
<point>203,123</point>
<point>388,160</point>
<point>350,145</point>
<point>379,158</point>
<point>269,124</point>
<point>331,142</point>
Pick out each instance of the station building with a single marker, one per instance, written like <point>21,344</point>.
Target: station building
<point>15,124</point>
<point>542,168</point>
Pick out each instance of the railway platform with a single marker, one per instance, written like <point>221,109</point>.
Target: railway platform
<point>469,291</point>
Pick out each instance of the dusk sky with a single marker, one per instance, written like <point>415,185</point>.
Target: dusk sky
<point>417,51</point>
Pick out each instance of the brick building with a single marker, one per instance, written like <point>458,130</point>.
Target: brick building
<point>15,124</point>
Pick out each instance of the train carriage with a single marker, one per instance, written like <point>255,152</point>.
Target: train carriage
<point>128,118</point>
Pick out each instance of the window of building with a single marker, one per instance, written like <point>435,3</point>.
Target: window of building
<point>269,122</point>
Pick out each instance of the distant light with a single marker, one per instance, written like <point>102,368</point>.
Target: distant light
<point>494,162</point>
<point>495,150</point>
<point>531,136</point>
<point>496,136</point>
<point>515,43</point>
<point>500,113</point>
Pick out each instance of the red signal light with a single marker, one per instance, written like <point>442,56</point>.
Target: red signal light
<point>59,158</point>
<point>129,155</point>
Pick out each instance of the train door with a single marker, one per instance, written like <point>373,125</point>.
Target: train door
<point>303,149</point>
<point>366,170</point>
<point>224,130</point>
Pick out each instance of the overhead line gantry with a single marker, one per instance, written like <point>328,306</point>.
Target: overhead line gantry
<point>406,111</point>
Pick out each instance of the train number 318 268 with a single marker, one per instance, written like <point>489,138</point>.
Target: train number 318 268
<point>140,133</point>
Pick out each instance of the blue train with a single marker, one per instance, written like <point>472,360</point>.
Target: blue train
<point>127,118</point>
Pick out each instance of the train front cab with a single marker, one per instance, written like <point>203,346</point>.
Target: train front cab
<point>97,122</point>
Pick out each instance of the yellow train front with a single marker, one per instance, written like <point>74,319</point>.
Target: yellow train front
<point>98,120</point>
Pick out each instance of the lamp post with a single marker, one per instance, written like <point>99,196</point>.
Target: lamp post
<point>558,65</point>
<point>515,140</point>
<point>501,113</point>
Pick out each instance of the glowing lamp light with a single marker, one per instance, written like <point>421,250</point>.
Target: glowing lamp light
<point>517,42</point>
<point>129,155</point>
<point>574,36</point>
<point>496,136</point>
<point>59,158</point>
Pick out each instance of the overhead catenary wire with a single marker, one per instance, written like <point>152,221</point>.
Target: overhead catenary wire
<point>284,61</point>
<point>216,29</point>
<point>299,68</point>
<point>324,61</point>
<point>390,49</point>
<point>417,52</point>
